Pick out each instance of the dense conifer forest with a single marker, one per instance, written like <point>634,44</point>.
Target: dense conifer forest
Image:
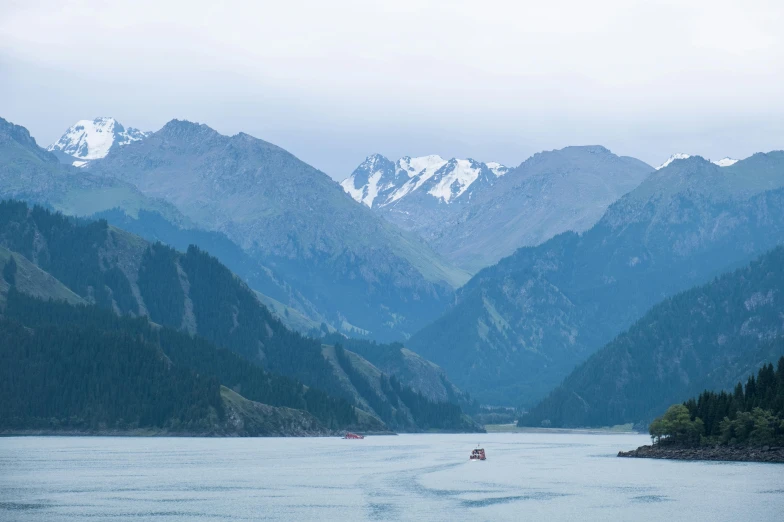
<point>85,367</point>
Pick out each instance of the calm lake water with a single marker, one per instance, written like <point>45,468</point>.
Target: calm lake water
<point>527,476</point>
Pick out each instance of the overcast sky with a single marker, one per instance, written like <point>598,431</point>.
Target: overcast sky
<point>333,81</point>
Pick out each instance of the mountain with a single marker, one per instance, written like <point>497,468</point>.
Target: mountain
<point>723,162</point>
<point>363,275</point>
<point>193,293</point>
<point>474,213</point>
<point>30,173</point>
<point>93,139</point>
<point>519,327</point>
<point>709,337</point>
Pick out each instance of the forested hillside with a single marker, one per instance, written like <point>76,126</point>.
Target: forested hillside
<point>82,368</point>
<point>708,337</point>
<point>191,292</point>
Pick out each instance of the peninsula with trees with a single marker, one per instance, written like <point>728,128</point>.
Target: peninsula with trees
<point>746,424</point>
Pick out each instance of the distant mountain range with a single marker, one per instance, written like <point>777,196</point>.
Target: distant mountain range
<point>476,213</point>
<point>354,272</point>
<point>568,250</point>
<point>519,327</point>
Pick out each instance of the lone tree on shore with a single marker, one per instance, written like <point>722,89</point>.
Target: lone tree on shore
<point>676,426</point>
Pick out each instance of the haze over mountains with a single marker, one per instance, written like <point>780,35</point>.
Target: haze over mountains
<point>568,250</point>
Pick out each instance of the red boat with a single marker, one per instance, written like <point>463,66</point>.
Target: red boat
<point>478,454</point>
<point>350,435</point>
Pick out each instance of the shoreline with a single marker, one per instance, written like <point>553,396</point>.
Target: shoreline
<point>610,430</point>
<point>712,453</point>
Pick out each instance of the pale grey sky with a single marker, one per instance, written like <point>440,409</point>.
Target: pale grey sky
<point>333,81</point>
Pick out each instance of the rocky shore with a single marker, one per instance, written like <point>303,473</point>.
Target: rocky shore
<point>728,453</point>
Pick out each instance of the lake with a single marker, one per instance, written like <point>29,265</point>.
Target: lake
<point>527,476</point>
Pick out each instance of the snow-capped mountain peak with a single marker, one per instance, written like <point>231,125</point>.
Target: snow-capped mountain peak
<point>92,139</point>
<point>674,157</point>
<point>380,182</point>
<point>725,162</point>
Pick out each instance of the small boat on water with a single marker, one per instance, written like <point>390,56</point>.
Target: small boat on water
<point>478,454</point>
<point>350,435</point>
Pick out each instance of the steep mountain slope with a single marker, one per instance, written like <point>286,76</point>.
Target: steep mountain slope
<point>708,337</point>
<point>93,139</point>
<point>475,214</point>
<point>362,273</point>
<point>521,326</point>
<point>188,291</point>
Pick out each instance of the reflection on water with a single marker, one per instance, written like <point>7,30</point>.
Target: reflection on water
<point>535,476</point>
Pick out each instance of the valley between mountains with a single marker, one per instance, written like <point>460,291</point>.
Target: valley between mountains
<point>181,281</point>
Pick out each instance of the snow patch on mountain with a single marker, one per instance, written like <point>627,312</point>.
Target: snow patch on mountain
<point>496,168</point>
<point>92,139</point>
<point>725,162</point>
<point>455,180</point>
<point>678,156</point>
